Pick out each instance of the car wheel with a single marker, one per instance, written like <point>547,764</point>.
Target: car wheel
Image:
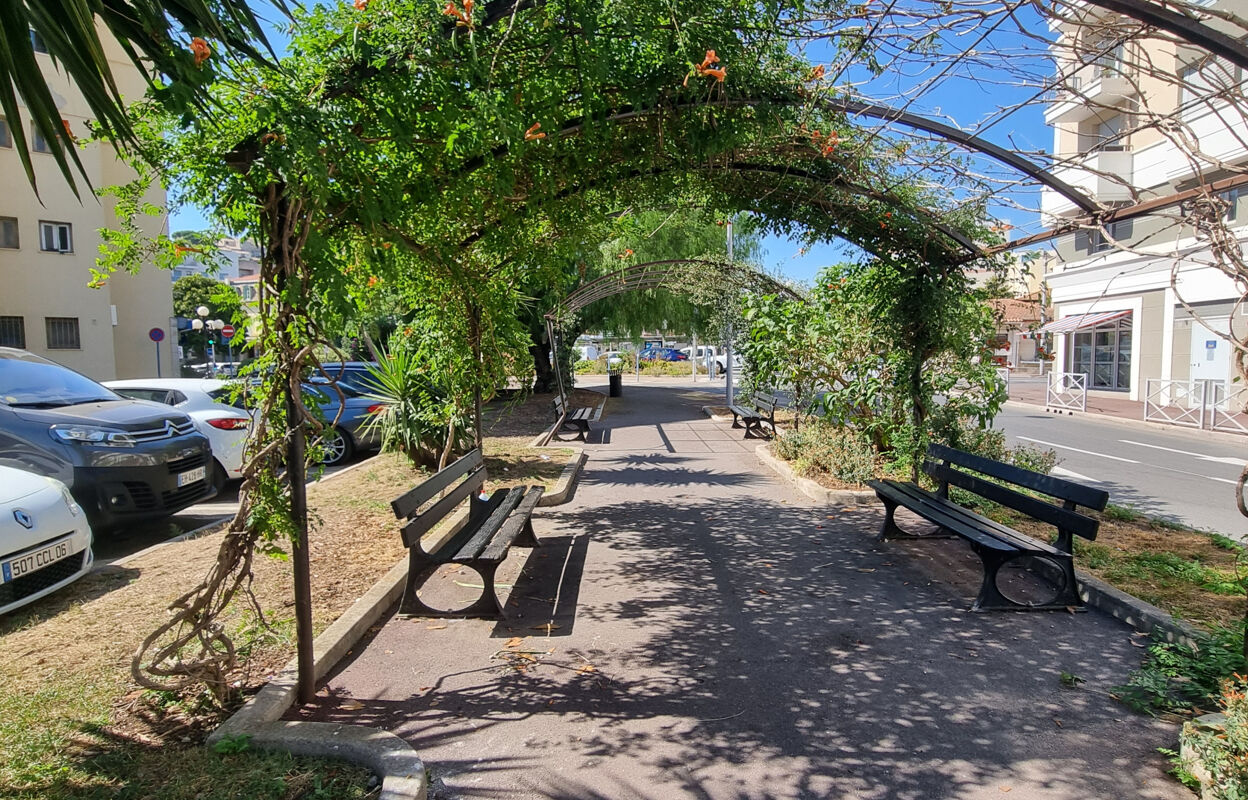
<point>219,476</point>
<point>336,447</point>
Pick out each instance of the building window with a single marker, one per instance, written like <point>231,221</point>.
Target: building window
<point>37,43</point>
<point>1231,198</point>
<point>62,333</point>
<point>1103,354</point>
<point>56,237</point>
<point>6,135</point>
<point>1203,81</point>
<point>13,332</point>
<point>8,233</point>
<point>37,141</point>
<point>1095,241</point>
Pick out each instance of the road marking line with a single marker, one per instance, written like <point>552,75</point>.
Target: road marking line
<point>1075,476</point>
<point>1076,449</point>
<point>1236,462</point>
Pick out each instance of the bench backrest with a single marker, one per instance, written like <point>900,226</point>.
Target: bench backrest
<point>470,468</point>
<point>942,465</point>
<point>560,404</point>
<point>765,402</point>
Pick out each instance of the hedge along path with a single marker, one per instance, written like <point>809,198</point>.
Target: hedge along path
<point>446,154</point>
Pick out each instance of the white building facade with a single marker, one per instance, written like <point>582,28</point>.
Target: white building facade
<point>49,243</point>
<point>1141,299</point>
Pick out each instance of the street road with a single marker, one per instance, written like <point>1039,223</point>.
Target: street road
<point>1162,472</point>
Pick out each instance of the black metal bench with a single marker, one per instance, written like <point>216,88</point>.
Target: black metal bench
<point>572,418</point>
<point>762,409</point>
<point>997,545</point>
<point>480,540</point>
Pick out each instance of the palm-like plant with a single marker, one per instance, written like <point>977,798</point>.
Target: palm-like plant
<point>169,41</point>
<point>414,418</point>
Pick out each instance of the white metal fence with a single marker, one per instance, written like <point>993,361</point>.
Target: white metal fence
<point>1206,404</point>
<point>1067,391</point>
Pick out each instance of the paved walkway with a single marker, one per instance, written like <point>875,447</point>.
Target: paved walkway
<point>694,628</point>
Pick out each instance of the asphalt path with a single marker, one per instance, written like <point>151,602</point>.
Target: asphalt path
<point>1169,473</point>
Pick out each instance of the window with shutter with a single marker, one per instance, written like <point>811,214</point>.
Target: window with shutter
<point>8,233</point>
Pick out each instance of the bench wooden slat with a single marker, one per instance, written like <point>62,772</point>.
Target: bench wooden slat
<point>919,503</point>
<point>471,549</point>
<point>496,549</point>
<point>1046,484</point>
<point>1003,533</point>
<point>744,413</point>
<point>420,525</point>
<point>407,504</point>
<point>452,540</point>
<point>1062,518</point>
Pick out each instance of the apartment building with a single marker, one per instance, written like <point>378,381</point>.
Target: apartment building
<point>1134,120</point>
<point>49,242</point>
<point>234,258</point>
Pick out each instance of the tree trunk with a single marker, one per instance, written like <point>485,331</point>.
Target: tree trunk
<point>540,350</point>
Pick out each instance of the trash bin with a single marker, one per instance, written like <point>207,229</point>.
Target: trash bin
<point>615,376</point>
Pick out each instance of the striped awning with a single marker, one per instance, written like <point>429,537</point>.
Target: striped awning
<point>1078,322</point>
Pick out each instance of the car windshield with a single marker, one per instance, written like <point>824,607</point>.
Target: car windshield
<point>34,383</point>
<point>355,377</point>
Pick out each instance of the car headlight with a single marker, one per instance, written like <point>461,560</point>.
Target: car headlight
<point>74,508</point>
<point>91,434</point>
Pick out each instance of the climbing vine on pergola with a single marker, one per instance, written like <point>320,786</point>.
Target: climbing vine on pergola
<point>457,149</point>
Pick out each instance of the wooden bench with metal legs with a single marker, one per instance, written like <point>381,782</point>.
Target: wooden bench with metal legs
<point>997,545</point>
<point>480,540</point>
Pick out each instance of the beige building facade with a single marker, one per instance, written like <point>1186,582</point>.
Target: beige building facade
<point>1140,302</point>
<point>49,242</point>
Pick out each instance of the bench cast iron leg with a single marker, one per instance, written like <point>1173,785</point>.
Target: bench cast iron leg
<point>889,529</point>
<point>528,537</point>
<point>487,605</point>
<point>736,423</point>
<point>418,571</point>
<point>990,596</point>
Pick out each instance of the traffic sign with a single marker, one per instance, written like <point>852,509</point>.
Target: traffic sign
<point>156,334</point>
<point>228,331</point>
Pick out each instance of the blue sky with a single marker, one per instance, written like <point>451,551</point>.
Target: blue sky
<point>964,99</point>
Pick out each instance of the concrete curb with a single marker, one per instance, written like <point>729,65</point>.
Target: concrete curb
<point>396,763</point>
<point>1138,424</point>
<point>831,497</point>
<point>565,487</point>
<point>1135,612</point>
<point>401,769</point>
<point>717,417</point>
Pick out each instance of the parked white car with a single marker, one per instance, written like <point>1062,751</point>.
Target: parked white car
<point>718,358</point>
<point>206,402</point>
<point>45,541</point>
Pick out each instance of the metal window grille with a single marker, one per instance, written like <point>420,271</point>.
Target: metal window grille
<point>56,237</point>
<point>6,135</point>
<point>8,233</point>
<point>13,332</point>
<point>37,43</point>
<point>63,333</point>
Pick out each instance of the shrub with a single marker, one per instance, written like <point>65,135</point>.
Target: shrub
<point>1224,754</point>
<point>1178,676</point>
<point>1035,459</point>
<point>822,448</point>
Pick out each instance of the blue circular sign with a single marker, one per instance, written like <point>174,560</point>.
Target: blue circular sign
<point>156,334</point>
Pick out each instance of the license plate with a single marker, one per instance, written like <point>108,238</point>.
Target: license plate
<point>192,475</point>
<point>15,568</point>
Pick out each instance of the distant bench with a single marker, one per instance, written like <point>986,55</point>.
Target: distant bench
<point>997,545</point>
<point>480,540</point>
<point>762,408</point>
<point>577,419</point>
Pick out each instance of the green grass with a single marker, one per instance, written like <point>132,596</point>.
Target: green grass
<point>1168,568</point>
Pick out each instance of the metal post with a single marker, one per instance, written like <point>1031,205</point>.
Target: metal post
<point>693,358</point>
<point>296,472</point>
<point>728,369</point>
<point>157,359</point>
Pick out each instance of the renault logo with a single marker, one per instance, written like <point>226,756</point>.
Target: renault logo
<point>23,519</point>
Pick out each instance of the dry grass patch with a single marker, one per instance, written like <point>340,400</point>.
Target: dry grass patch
<point>1187,573</point>
<point>73,724</point>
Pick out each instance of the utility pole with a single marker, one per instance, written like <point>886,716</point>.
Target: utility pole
<point>728,370</point>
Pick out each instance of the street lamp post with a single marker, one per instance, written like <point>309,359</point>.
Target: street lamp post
<point>211,325</point>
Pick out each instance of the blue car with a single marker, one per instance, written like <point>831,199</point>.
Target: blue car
<point>350,433</point>
<point>662,354</point>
